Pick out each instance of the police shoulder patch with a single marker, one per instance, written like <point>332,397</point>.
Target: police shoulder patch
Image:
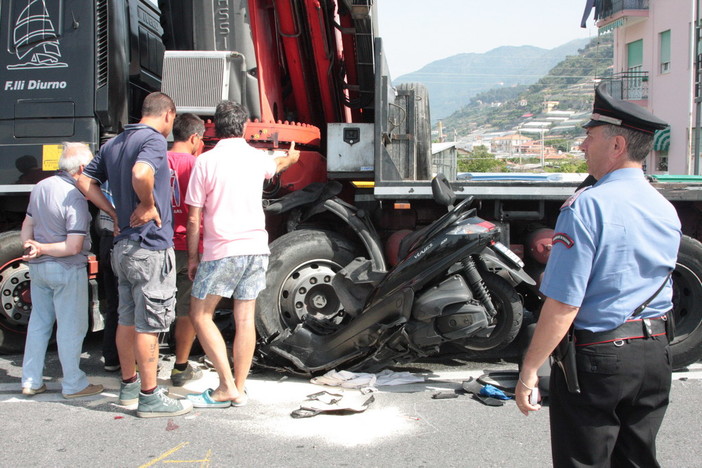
<point>574,197</point>
<point>563,238</point>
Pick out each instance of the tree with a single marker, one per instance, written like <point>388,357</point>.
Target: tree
<point>481,160</point>
<point>569,166</point>
<point>561,144</point>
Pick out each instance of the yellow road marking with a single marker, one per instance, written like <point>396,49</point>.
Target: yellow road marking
<point>165,454</point>
<point>205,462</point>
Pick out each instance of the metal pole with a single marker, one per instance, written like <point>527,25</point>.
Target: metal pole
<point>543,149</point>
<point>698,100</point>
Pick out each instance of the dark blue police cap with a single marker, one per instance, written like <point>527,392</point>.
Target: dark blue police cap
<point>608,110</point>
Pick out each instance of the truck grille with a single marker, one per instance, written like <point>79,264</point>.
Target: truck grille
<point>100,43</point>
<point>197,81</point>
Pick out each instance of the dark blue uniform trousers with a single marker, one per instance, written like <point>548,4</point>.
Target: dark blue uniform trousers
<point>616,417</point>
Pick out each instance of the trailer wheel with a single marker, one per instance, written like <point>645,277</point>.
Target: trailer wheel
<point>510,313</point>
<point>422,119</point>
<point>15,298</point>
<point>298,283</point>
<point>687,304</point>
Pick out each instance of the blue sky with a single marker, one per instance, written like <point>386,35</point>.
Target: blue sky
<point>417,32</point>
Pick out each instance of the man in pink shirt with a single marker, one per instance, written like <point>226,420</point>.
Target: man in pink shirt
<point>225,187</point>
<point>188,130</point>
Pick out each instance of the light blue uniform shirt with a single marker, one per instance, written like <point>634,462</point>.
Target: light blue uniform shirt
<point>614,245</point>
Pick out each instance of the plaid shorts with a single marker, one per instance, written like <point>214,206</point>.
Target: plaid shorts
<point>240,277</point>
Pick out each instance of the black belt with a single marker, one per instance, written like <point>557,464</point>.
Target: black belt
<point>629,330</point>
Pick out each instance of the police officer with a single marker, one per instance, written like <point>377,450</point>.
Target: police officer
<point>615,246</point>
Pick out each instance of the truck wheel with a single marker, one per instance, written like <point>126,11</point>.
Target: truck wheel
<point>422,119</point>
<point>510,313</point>
<point>298,283</point>
<point>687,304</point>
<point>15,298</point>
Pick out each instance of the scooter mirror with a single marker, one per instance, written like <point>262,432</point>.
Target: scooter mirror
<point>442,191</point>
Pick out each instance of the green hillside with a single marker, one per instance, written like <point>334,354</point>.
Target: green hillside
<point>569,86</point>
<point>453,81</point>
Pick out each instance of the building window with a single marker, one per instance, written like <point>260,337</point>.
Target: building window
<point>662,158</point>
<point>634,63</point>
<point>665,51</point>
<point>634,55</point>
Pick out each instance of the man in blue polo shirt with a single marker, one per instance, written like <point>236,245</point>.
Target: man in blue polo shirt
<point>136,166</point>
<point>608,275</point>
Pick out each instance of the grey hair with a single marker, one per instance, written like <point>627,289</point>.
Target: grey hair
<point>73,156</point>
<point>638,144</point>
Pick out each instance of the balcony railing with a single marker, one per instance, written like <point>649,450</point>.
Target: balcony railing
<point>629,86</point>
<point>607,8</point>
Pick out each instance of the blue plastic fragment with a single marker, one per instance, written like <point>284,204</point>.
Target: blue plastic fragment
<point>494,392</point>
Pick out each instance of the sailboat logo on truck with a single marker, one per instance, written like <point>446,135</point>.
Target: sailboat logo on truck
<point>35,39</point>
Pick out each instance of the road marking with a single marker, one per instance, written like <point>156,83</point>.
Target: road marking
<point>204,462</point>
<point>165,454</point>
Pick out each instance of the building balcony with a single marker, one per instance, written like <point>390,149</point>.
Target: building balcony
<point>615,9</point>
<point>629,86</point>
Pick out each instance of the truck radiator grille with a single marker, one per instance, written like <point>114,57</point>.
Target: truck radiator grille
<point>197,81</point>
<point>101,51</point>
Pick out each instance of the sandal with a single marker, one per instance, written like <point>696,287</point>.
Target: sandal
<point>244,399</point>
<point>205,400</point>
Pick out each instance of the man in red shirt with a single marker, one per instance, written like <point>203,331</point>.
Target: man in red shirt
<point>188,130</point>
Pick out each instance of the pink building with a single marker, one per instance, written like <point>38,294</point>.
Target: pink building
<point>655,66</point>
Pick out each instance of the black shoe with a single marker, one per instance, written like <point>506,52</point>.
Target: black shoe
<point>178,378</point>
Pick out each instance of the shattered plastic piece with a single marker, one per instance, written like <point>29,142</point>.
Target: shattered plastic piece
<point>472,386</point>
<point>311,408</point>
<point>326,397</point>
<point>119,417</point>
<point>444,395</point>
<point>489,401</point>
<point>504,380</point>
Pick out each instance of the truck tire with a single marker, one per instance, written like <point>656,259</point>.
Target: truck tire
<point>510,314</point>
<point>15,298</point>
<point>422,119</point>
<point>300,269</point>
<point>687,304</point>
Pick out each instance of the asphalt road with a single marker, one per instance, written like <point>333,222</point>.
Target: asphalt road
<point>402,427</point>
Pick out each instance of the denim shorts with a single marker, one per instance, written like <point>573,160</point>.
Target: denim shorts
<point>240,277</point>
<point>146,284</point>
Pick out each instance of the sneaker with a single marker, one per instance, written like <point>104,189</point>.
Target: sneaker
<point>29,391</point>
<point>129,392</point>
<point>112,367</point>
<point>179,378</point>
<point>90,390</point>
<point>158,404</point>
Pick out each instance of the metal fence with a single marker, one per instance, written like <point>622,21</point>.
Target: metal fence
<point>629,86</point>
<point>606,8</point>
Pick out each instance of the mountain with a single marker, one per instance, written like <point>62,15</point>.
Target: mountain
<point>454,80</point>
<point>569,87</point>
